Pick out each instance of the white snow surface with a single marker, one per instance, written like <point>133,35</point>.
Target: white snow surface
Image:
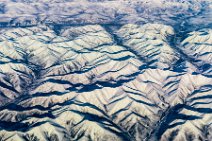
<point>105,70</point>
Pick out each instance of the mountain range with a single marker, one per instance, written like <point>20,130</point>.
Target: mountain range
<point>105,70</point>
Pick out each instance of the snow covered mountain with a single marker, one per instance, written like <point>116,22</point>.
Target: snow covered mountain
<point>105,70</point>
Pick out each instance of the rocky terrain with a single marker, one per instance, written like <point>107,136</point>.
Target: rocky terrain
<point>105,70</point>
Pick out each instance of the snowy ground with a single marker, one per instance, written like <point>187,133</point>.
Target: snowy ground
<point>113,70</point>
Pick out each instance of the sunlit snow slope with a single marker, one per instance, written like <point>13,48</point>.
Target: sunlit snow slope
<point>96,78</point>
